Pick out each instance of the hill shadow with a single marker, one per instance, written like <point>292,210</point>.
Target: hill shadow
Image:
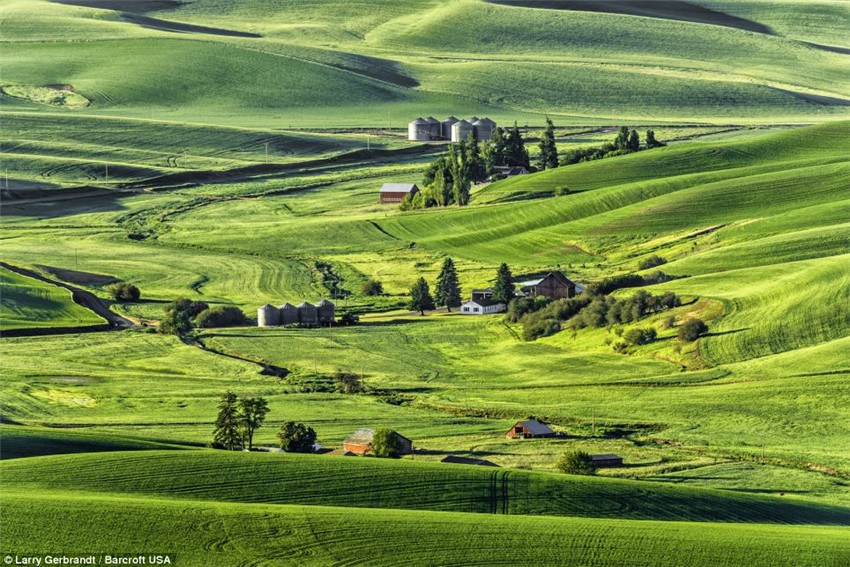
<point>661,9</point>
<point>177,27</point>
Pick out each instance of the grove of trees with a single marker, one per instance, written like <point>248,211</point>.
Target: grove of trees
<point>296,437</point>
<point>237,421</point>
<point>182,315</point>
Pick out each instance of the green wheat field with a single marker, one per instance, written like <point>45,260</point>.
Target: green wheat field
<point>231,152</point>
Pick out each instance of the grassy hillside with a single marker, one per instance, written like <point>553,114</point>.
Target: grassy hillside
<point>28,303</point>
<point>224,534</point>
<point>325,480</point>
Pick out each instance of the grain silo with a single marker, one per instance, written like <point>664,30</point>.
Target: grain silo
<point>288,314</point>
<point>418,131</point>
<point>434,128</point>
<point>461,130</point>
<point>473,120</point>
<point>446,127</point>
<point>326,311</point>
<point>484,128</point>
<point>267,316</point>
<point>308,314</point>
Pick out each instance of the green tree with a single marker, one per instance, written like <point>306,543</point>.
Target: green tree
<point>495,150</point>
<point>178,316</point>
<point>221,316</point>
<point>474,158</point>
<point>576,462</point>
<point>372,287</point>
<point>420,297</point>
<point>515,152</point>
<point>634,141</point>
<point>226,432</point>
<point>692,329</point>
<point>548,158</point>
<point>621,142</point>
<point>651,142</point>
<point>124,291</point>
<point>296,437</point>
<point>503,289</point>
<point>461,180</point>
<point>252,414</point>
<point>447,292</point>
<point>387,443</point>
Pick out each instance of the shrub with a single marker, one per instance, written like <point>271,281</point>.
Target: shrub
<point>372,287</point>
<point>521,306</point>
<point>669,322</point>
<point>640,336</point>
<point>124,292</point>
<point>561,190</point>
<point>692,329</point>
<point>651,262</point>
<point>349,318</point>
<point>576,462</point>
<point>348,383</point>
<point>296,437</point>
<point>386,444</point>
<point>220,316</point>
<point>178,316</point>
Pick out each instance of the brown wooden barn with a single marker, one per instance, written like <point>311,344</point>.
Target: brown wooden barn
<point>554,284</point>
<point>360,442</point>
<point>396,192</point>
<point>529,429</point>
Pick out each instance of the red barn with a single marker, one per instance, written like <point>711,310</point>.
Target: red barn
<point>396,192</point>
<point>360,442</point>
<point>529,429</point>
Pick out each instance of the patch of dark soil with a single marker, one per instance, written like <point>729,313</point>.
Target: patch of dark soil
<point>662,9</point>
<point>77,277</point>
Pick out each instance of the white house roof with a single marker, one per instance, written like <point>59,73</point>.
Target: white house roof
<point>536,427</point>
<point>482,302</point>
<point>398,187</point>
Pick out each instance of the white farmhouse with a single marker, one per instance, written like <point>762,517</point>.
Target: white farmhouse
<point>481,307</point>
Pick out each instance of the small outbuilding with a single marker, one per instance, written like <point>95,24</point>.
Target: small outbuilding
<point>454,459</point>
<point>503,171</point>
<point>481,307</point>
<point>396,192</point>
<point>360,442</point>
<point>601,461</point>
<point>529,429</point>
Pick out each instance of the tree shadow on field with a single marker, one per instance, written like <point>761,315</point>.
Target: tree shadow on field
<point>730,332</point>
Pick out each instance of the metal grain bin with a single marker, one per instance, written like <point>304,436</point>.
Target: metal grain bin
<point>446,127</point>
<point>435,128</point>
<point>484,128</point>
<point>418,131</point>
<point>288,314</point>
<point>461,130</point>
<point>326,311</point>
<point>308,314</point>
<point>267,316</point>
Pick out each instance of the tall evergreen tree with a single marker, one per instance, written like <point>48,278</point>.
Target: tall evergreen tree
<point>227,423</point>
<point>622,140</point>
<point>420,297</point>
<point>495,150</point>
<point>651,142</point>
<point>634,141</point>
<point>503,289</point>
<point>515,152</point>
<point>447,293</point>
<point>474,159</point>
<point>548,158</point>
<point>252,414</point>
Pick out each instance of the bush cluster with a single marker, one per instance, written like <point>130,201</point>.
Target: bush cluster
<point>124,291</point>
<point>608,311</point>
<point>220,316</point>
<point>576,462</point>
<point>692,329</point>
<point>651,262</point>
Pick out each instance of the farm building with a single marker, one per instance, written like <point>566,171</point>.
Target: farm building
<point>503,171</point>
<point>606,461</point>
<point>396,192</point>
<point>554,285</point>
<point>431,129</point>
<point>529,429</point>
<point>481,307</point>
<point>323,313</point>
<point>467,461</point>
<point>360,442</point>
<point>479,294</point>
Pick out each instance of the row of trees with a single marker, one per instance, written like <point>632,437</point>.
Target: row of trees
<point>626,142</point>
<point>448,293</point>
<point>183,315</point>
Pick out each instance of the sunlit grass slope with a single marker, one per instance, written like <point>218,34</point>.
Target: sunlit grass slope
<point>25,303</point>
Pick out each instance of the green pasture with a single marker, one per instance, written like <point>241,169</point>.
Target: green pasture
<point>30,303</point>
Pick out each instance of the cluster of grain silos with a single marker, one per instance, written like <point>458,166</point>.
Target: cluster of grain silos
<point>429,129</point>
<point>306,314</point>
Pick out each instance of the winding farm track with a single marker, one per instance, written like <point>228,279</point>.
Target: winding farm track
<point>81,297</point>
